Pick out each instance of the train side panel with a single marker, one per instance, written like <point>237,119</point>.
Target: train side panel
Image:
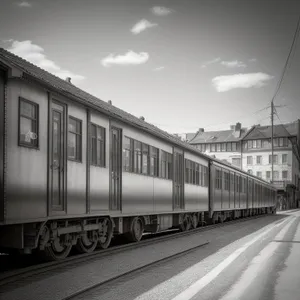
<point>26,178</point>
<point>99,176</point>
<point>195,196</point>
<point>2,98</point>
<point>76,174</point>
<point>142,193</point>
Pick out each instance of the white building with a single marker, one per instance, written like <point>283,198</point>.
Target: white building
<point>224,145</point>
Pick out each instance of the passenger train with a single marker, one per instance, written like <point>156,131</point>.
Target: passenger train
<point>75,171</point>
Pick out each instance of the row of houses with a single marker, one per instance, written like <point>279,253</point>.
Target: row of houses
<point>250,150</point>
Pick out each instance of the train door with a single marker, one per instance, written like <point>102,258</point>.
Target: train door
<point>115,168</point>
<point>57,157</point>
<point>178,184</point>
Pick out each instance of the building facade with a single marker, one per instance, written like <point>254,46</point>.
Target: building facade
<point>250,150</point>
<point>225,145</point>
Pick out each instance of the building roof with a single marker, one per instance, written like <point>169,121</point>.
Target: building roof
<point>218,136</point>
<point>281,130</point>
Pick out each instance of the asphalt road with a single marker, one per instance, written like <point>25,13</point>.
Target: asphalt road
<point>238,264</point>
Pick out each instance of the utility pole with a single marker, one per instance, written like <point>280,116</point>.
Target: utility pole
<point>272,135</point>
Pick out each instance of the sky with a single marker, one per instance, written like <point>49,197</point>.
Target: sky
<point>182,64</point>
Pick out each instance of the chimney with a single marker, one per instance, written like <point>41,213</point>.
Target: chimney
<point>68,79</point>
<point>109,102</point>
<point>201,130</point>
<point>238,126</point>
<point>142,118</point>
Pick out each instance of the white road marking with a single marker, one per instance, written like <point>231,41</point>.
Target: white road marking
<point>196,287</point>
<point>255,266</point>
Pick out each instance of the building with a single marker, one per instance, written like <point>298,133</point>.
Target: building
<point>250,150</point>
<point>224,145</point>
<point>257,157</point>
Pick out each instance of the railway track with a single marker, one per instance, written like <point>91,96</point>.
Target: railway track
<point>19,274</point>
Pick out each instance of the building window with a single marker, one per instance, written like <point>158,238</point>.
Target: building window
<point>236,162</point>
<point>166,165</point>
<point>249,160</point>
<point>213,147</point>
<point>218,147</point>
<point>275,142</point>
<point>284,175</point>
<point>137,157</point>
<point>284,158</point>
<point>128,154</point>
<point>97,145</point>
<point>266,143</point>
<point>259,174</point>
<point>74,139</point>
<point>250,144</point>
<point>145,159</point>
<point>258,159</point>
<point>28,122</point>
<point>234,147</point>
<point>258,144</point>
<point>223,145</point>
<point>275,175</point>
<point>268,175</point>
<point>153,161</point>
<point>275,159</point>
<point>283,142</point>
<point>229,148</point>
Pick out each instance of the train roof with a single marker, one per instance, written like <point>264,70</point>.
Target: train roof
<point>31,71</point>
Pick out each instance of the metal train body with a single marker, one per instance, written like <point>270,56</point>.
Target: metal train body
<point>52,201</point>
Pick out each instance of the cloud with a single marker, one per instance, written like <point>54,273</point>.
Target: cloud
<point>233,64</point>
<point>161,10</point>
<point>213,61</point>
<point>229,82</point>
<point>129,58</point>
<point>253,59</point>
<point>159,68</point>
<point>141,26</point>
<point>24,4</point>
<point>35,54</point>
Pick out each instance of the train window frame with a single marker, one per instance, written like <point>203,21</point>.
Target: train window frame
<point>22,143</point>
<point>146,153</point>
<point>130,151</point>
<point>76,159</point>
<point>166,165</point>
<point>137,157</point>
<point>154,161</point>
<point>102,140</point>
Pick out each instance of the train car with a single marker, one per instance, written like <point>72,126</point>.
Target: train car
<point>75,170</point>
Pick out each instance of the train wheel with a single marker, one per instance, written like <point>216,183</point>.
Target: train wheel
<point>136,230</point>
<point>57,250</point>
<point>186,223</point>
<point>87,243</point>
<point>106,234</point>
<point>195,221</point>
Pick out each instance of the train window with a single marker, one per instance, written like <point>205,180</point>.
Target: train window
<point>197,174</point>
<point>128,154</point>
<point>201,175</point>
<point>187,171</point>
<point>97,145</point>
<point>166,165</point>
<point>194,173</point>
<point>205,176</point>
<point>137,158</point>
<point>153,161</point>
<point>145,159</point>
<point>74,139</point>
<point>28,122</point>
<point>237,184</point>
